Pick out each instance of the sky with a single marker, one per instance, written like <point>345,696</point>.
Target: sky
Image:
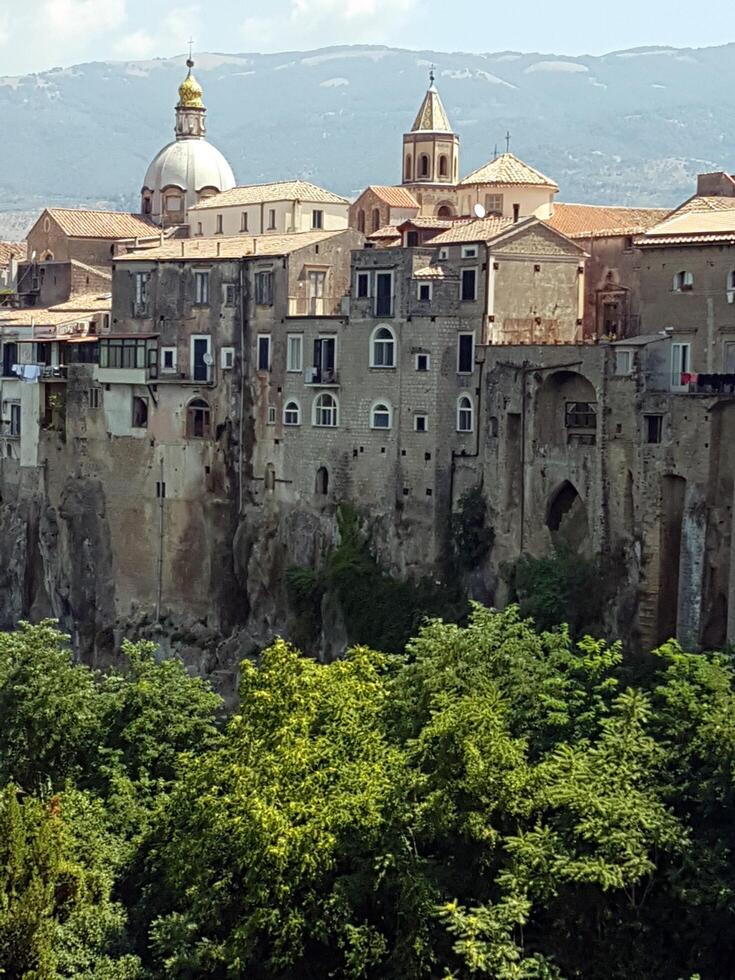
<point>36,35</point>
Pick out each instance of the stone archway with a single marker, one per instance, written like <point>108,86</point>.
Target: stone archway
<point>566,519</point>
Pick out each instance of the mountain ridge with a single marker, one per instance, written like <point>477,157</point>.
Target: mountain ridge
<point>629,127</point>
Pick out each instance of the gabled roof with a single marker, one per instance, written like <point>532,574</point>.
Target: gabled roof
<point>386,232</point>
<point>427,222</point>
<point>700,203</point>
<point>597,221</point>
<point>10,250</point>
<point>508,169</point>
<point>434,272</point>
<point>281,190</point>
<point>78,223</point>
<point>244,246</point>
<point>477,230</point>
<point>432,116</point>
<point>395,197</point>
<point>690,227</point>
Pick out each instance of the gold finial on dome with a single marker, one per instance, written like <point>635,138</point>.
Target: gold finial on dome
<point>190,91</point>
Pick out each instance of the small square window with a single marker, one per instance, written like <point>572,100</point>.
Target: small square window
<point>227,358</point>
<point>423,362</point>
<point>168,360</point>
<point>654,428</point>
<point>421,423</point>
<point>443,254</point>
<point>469,251</point>
<point>230,294</point>
<point>424,292</point>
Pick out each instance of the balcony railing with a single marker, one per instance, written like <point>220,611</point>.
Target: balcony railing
<point>325,377</point>
<point>314,305</point>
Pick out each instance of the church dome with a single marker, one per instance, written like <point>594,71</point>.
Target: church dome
<point>190,167</point>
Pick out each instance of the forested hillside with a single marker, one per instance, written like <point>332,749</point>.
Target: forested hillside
<point>494,802</point>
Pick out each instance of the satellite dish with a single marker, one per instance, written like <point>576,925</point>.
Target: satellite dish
<point>208,360</point>
<point>480,211</point>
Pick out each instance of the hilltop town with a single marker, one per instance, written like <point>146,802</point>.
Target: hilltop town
<point>193,394</point>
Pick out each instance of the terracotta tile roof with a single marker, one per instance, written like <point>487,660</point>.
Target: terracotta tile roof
<point>395,197</point>
<point>432,117</point>
<point>692,228</point>
<point>698,203</point>
<point>77,223</point>
<point>53,316</point>
<point>85,303</point>
<point>12,249</point>
<point>282,190</point>
<point>387,231</point>
<point>246,246</point>
<point>508,169</point>
<point>417,222</point>
<point>597,221</point>
<point>93,270</point>
<point>434,272</point>
<point>478,230</point>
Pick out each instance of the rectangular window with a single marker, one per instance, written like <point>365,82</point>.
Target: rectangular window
<point>244,221</point>
<point>465,353</point>
<point>264,288</point>
<point>200,229</point>
<point>201,288</point>
<point>14,428</point>
<point>516,212</point>
<point>140,413</point>
<point>729,357</point>
<point>623,361</point>
<point>384,294</point>
<point>469,251</point>
<point>443,254</point>
<point>272,219</point>
<point>654,428</point>
<point>363,285</point>
<point>230,293</point>
<point>423,362</point>
<point>271,415</point>
<point>10,357</point>
<point>141,290</point>
<point>469,285</point>
<point>317,219</point>
<point>168,360</point>
<point>95,397</point>
<point>295,352</point>
<point>494,203</point>
<point>227,358</point>
<point>220,224</point>
<point>421,423</point>
<point>424,292</point>
<point>130,353</point>
<point>264,352</point>
<point>681,365</point>
<point>581,415</point>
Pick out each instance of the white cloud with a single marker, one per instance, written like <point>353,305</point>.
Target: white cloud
<point>180,24</point>
<point>81,19</point>
<point>4,28</point>
<point>136,46</point>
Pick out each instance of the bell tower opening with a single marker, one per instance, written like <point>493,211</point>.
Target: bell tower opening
<point>431,148</point>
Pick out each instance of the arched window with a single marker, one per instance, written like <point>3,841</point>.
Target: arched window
<point>198,425</point>
<point>270,478</point>
<point>321,485</point>
<point>383,348</point>
<point>376,219</point>
<point>361,221</point>
<point>408,166</point>
<point>683,282</point>
<point>443,168</point>
<point>445,211</point>
<point>326,411</point>
<point>147,204</point>
<point>381,416</point>
<point>292,413</point>
<point>423,165</point>
<point>465,414</point>
<point>47,257</point>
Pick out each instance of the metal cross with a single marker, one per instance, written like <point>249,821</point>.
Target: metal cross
<point>431,74</point>
<point>507,142</point>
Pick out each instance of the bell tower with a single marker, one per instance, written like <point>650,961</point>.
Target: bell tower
<point>190,110</point>
<point>431,149</point>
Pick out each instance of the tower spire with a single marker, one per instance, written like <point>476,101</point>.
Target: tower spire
<point>190,109</point>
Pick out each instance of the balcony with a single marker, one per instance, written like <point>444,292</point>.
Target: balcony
<point>321,377</point>
<point>315,305</point>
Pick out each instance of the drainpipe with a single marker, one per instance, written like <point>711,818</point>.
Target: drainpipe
<point>242,381</point>
<point>160,545</point>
